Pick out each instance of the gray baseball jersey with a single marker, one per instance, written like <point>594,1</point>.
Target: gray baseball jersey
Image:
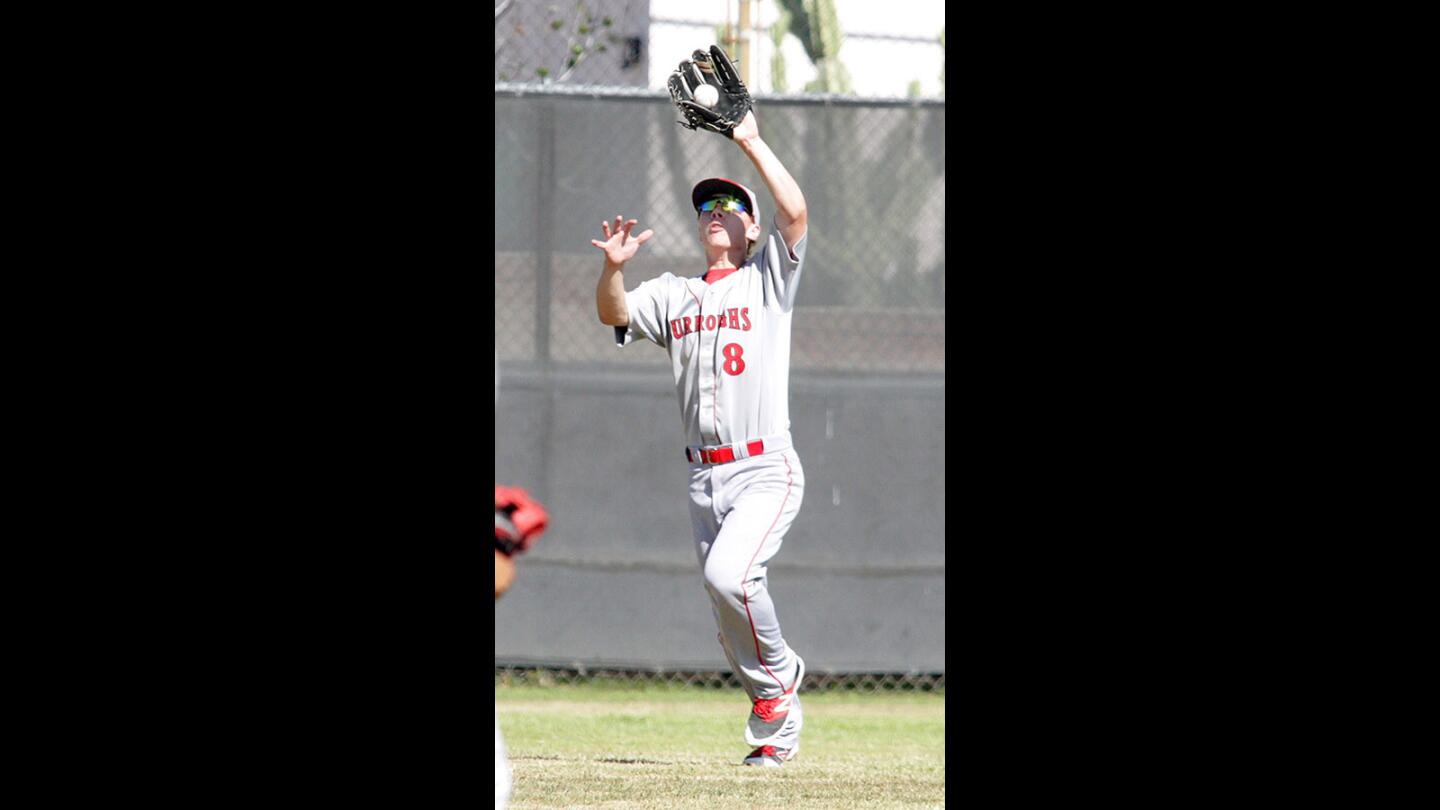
<point>729,343</point>
<point>729,347</point>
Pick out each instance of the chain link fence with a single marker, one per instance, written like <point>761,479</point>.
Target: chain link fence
<point>584,135</point>
<point>781,46</point>
<point>867,682</point>
<point>873,174</point>
<point>572,43</point>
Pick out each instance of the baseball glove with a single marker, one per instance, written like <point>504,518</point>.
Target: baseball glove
<point>715,69</point>
<point>519,519</point>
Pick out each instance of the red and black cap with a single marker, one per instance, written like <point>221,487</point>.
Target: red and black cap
<point>716,186</point>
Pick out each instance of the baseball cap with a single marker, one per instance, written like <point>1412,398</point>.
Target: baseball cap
<point>715,186</point>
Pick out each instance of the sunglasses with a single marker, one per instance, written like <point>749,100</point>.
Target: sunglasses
<point>724,204</point>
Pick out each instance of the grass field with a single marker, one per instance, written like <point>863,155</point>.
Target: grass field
<point>617,745</point>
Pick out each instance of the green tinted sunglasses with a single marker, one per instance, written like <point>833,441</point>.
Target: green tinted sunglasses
<point>724,204</point>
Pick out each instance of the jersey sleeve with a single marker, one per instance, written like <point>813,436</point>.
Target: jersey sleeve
<point>647,305</point>
<point>781,264</point>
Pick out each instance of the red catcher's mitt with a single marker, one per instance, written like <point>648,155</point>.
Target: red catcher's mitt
<point>519,519</point>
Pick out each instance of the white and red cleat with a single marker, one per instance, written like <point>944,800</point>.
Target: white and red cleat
<point>768,756</point>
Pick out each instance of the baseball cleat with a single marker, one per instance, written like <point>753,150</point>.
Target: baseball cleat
<point>767,719</point>
<point>778,718</point>
<point>768,756</point>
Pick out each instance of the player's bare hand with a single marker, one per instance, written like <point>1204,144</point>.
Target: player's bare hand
<point>619,245</point>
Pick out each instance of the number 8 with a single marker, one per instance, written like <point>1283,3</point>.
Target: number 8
<point>734,359</point>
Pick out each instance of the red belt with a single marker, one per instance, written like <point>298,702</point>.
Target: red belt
<point>723,455</point>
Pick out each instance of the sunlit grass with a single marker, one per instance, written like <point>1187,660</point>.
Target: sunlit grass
<point>627,746</point>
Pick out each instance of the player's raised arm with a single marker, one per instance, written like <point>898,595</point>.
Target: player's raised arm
<point>619,247</point>
<point>791,214</point>
<point>709,94</point>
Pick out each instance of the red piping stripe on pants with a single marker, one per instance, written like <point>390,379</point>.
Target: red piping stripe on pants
<point>745,598</point>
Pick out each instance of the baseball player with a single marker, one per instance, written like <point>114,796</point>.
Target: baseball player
<point>519,520</point>
<point>727,332</point>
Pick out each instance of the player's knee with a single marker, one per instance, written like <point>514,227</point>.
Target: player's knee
<point>725,583</point>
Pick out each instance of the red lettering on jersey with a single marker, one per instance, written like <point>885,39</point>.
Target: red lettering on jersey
<point>720,321</point>
<point>734,322</point>
<point>709,323</point>
<point>675,329</point>
<point>688,326</point>
<point>745,315</point>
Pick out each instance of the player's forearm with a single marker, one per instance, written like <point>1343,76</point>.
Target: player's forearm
<point>610,296</point>
<point>504,573</point>
<point>789,201</point>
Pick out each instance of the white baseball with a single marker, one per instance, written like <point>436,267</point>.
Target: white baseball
<point>706,95</point>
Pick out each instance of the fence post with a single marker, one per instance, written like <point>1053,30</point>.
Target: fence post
<point>545,221</point>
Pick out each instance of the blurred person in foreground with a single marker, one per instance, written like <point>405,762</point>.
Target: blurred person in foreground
<point>519,520</point>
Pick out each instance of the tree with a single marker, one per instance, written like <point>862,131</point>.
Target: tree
<point>574,36</point>
<point>817,26</point>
